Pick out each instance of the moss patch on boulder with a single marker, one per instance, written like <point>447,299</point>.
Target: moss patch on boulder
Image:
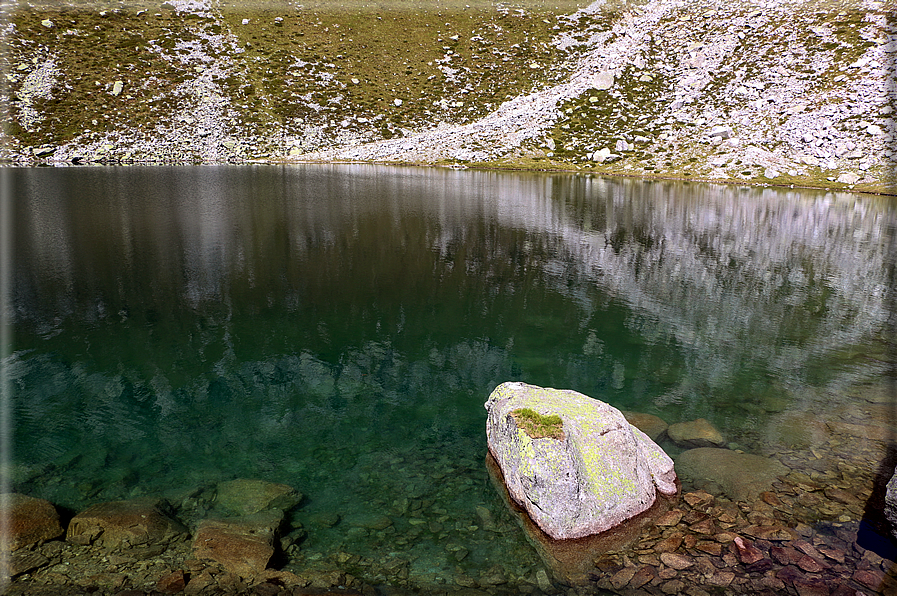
<point>538,426</point>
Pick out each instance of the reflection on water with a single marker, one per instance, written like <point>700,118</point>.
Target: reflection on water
<point>338,328</point>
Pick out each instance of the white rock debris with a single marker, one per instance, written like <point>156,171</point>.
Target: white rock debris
<point>38,84</point>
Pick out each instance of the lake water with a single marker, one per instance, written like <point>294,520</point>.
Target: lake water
<point>338,329</point>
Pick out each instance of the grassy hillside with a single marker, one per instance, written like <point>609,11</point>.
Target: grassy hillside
<point>780,93</point>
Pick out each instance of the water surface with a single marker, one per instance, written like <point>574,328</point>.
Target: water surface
<point>338,329</point>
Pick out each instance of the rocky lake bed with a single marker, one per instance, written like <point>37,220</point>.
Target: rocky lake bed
<point>806,519</point>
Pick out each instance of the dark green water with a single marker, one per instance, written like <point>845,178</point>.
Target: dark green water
<point>338,329</point>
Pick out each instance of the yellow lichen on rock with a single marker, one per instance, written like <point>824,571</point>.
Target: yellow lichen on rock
<point>602,471</point>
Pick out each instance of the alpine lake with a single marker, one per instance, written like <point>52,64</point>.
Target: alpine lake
<point>338,328</point>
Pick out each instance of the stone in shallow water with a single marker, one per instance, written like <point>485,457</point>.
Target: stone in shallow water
<point>651,425</point>
<point>31,520</point>
<point>741,476</point>
<point>245,497</point>
<point>774,532</point>
<point>172,583</point>
<point>241,545</point>
<point>676,561</point>
<point>370,521</point>
<point>124,524</point>
<point>746,551</point>
<point>670,518</point>
<point>796,430</point>
<point>695,433</point>
<point>596,472</point>
<point>325,519</point>
<point>670,543</point>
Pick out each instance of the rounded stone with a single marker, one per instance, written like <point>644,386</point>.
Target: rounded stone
<point>651,425</point>
<point>31,520</point>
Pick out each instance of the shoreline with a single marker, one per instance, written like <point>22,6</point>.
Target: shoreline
<point>489,168</point>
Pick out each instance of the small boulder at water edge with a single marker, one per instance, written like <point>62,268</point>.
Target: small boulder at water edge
<point>584,470</point>
<point>31,520</point>
<point>241,545</point>
<point>124,524</point>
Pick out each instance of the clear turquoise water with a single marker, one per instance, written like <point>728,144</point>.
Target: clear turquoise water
<point>338,329</point>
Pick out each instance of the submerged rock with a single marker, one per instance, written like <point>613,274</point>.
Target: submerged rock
<point>23,561</point>
<point>695,433</point>
<point>651,425</point>
<point>31,520</point>
<point>244,497</point>
<point>742,476</point>
<point>585,473</point>
<point>124,524</point>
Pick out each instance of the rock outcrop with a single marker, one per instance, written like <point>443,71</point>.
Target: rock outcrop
<point>584,470</point>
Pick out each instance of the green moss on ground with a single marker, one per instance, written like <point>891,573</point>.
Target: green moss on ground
<point>335,65</point>
<point>92,51</point>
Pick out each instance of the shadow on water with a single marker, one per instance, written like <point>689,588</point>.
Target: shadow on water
<point>876,532</point>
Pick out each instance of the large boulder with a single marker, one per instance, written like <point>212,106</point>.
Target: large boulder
<point>573,463</point>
